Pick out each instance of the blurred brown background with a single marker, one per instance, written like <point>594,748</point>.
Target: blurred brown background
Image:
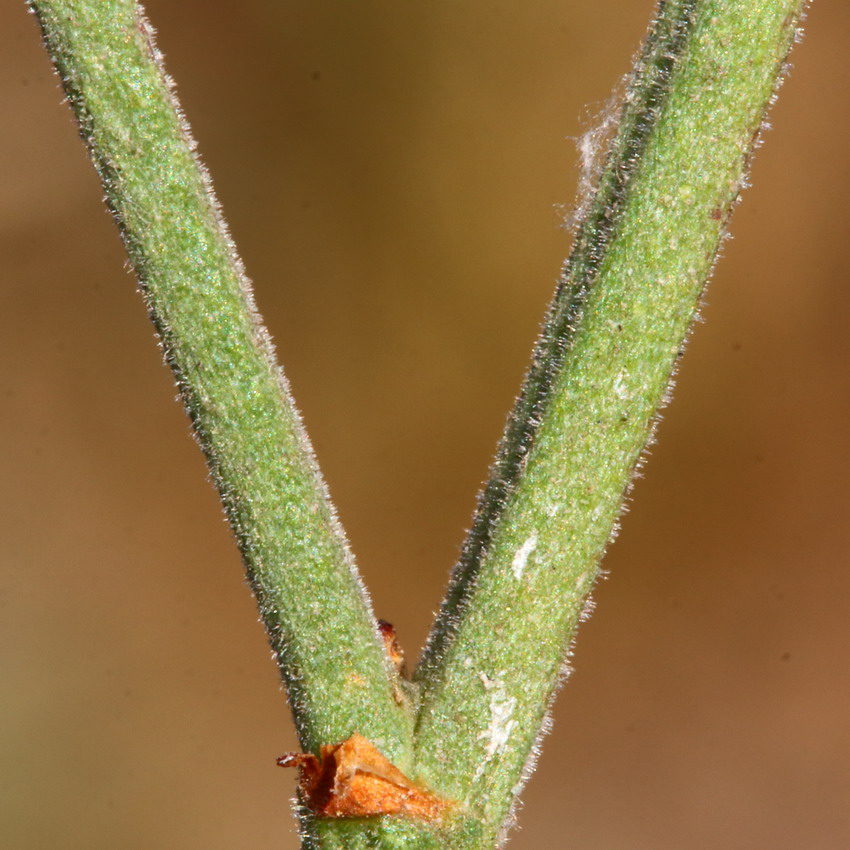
<point>390,172</point>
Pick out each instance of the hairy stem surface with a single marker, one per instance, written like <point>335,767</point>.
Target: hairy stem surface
<point>672,172</point>
<point>310,598</point>
<point>692,112</point>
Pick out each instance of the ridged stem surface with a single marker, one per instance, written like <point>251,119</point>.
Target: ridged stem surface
<point>692,111</point>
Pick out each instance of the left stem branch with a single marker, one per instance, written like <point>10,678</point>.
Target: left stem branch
<point>311,600</point>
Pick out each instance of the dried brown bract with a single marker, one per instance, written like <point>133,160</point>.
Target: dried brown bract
<point>354,779</point>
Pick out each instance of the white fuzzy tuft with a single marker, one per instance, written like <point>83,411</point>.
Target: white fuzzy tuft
<point>502,723</point>
<point>523,554</point>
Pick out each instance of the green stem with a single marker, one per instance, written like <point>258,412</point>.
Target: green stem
<point>692,112</point>
<point>691,116</point>
<point>310,597</point>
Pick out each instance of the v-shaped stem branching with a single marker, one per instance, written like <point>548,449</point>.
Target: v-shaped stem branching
<point>670,176</point>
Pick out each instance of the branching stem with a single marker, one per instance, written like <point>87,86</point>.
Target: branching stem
<point>673,170</point>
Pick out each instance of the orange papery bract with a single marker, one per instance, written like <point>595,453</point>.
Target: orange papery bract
<point>354,779</point>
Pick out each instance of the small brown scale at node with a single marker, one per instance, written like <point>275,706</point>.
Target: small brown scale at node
<point>392,647</point>
<point>402,688</point>
<point>354,779</point>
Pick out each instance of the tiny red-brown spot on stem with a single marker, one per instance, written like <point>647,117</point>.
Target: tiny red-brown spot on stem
<point>391,645</point>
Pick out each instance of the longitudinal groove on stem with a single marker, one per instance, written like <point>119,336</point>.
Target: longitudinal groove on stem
<point>691,115</point>
<point>638,117</point>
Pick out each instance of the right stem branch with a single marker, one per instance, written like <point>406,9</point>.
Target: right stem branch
<point>691,116</point>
